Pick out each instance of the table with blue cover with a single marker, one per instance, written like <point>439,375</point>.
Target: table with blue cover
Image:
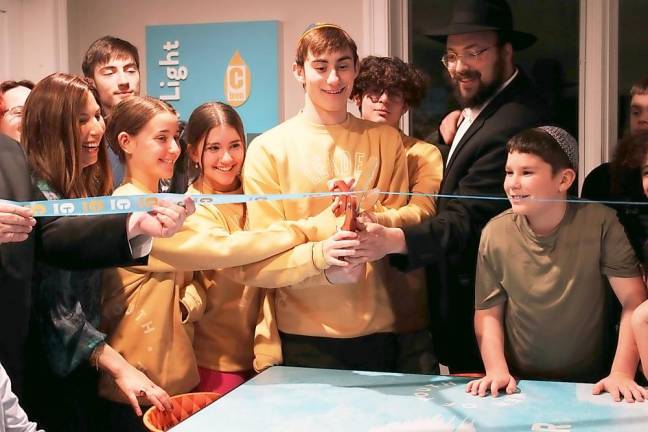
<point>298,399</point>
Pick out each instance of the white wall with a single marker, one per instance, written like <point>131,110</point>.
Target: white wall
<point>10,40</point>
<point>33,42</point>
<point>88,20</point>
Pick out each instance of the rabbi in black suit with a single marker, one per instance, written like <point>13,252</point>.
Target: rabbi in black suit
<point>498,101</point>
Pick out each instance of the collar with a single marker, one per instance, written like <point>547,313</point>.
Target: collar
<point>139,185</point>
<point>203,187</point>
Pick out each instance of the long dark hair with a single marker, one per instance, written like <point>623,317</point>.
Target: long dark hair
<point>205,118</point>
<point>629,157</point>
<point>51,137</point>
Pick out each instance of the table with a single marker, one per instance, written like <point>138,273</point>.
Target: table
<point>297,399</point>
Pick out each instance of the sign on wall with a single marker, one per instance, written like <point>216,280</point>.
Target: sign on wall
<point>236,63</point>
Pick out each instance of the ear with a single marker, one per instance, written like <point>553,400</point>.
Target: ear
<point>566,179</point>
<point>405,109</point>
<point>126,143</point>
<point>298,72</point>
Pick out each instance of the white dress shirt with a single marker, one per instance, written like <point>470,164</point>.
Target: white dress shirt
<point>12,416</point>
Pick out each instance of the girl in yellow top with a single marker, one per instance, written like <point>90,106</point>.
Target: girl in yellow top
<point>224,336</point>
<point>141,311</point>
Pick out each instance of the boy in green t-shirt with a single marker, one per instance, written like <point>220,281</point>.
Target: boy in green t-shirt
<point>541,269</point>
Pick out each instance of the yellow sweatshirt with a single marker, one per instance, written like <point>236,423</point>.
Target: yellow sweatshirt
<point>408,291</point>
<point>224,335</point>
<point>301,156</point>
<point>141,316</point>
<point>425,170</point>
<point>141,305</point>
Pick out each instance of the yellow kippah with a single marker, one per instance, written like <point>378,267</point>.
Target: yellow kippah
<point>315,26</point>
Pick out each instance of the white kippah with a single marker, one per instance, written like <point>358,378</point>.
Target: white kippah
<point>566,142</point>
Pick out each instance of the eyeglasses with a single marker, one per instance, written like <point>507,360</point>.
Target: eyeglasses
<point>395,96</point>
<point>16,111</point>
<point>450,60</point>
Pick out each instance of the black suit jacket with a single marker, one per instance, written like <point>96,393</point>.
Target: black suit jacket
<point>68,242</point>
<point>448,242</point>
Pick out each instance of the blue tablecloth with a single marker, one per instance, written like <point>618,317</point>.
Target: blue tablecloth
<point>296,399</point>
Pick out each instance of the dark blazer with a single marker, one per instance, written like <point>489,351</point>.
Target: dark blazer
<point>448,242</point>
<point>68,242</point>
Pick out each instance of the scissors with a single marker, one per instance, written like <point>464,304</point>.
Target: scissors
<point>351,205</point>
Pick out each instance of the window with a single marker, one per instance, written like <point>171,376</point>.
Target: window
<point>633,64</point>
<point>552,61</point>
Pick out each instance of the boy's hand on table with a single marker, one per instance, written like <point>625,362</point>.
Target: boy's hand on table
<point>619,385</point>
<point>492,382</point>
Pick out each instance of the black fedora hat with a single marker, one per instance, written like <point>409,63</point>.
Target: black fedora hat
<point>471,16</point>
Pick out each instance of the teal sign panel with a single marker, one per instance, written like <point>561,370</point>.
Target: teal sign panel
<point>235,62</point>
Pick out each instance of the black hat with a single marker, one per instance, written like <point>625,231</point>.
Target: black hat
<point>471,16</point>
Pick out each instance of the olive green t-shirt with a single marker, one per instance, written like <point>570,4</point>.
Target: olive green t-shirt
<point>554,289</point>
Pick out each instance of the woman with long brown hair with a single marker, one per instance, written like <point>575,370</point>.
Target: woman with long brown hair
<point>63,139</point>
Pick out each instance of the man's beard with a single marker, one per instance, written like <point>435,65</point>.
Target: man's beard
<point>484,91</point>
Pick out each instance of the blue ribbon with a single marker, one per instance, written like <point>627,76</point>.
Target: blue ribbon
<point>105,205</point>
<point>142,203</point>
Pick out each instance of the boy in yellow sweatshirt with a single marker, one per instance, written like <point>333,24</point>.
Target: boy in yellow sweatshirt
<point>384,90</point>
<point>348,325</point>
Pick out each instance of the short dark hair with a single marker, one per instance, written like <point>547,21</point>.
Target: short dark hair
<point>5,86</point>
<point>390,73</point>
<point>639,87</point>
<point>631,152</point>
<point>103,49</point>
<point>539,143</point>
